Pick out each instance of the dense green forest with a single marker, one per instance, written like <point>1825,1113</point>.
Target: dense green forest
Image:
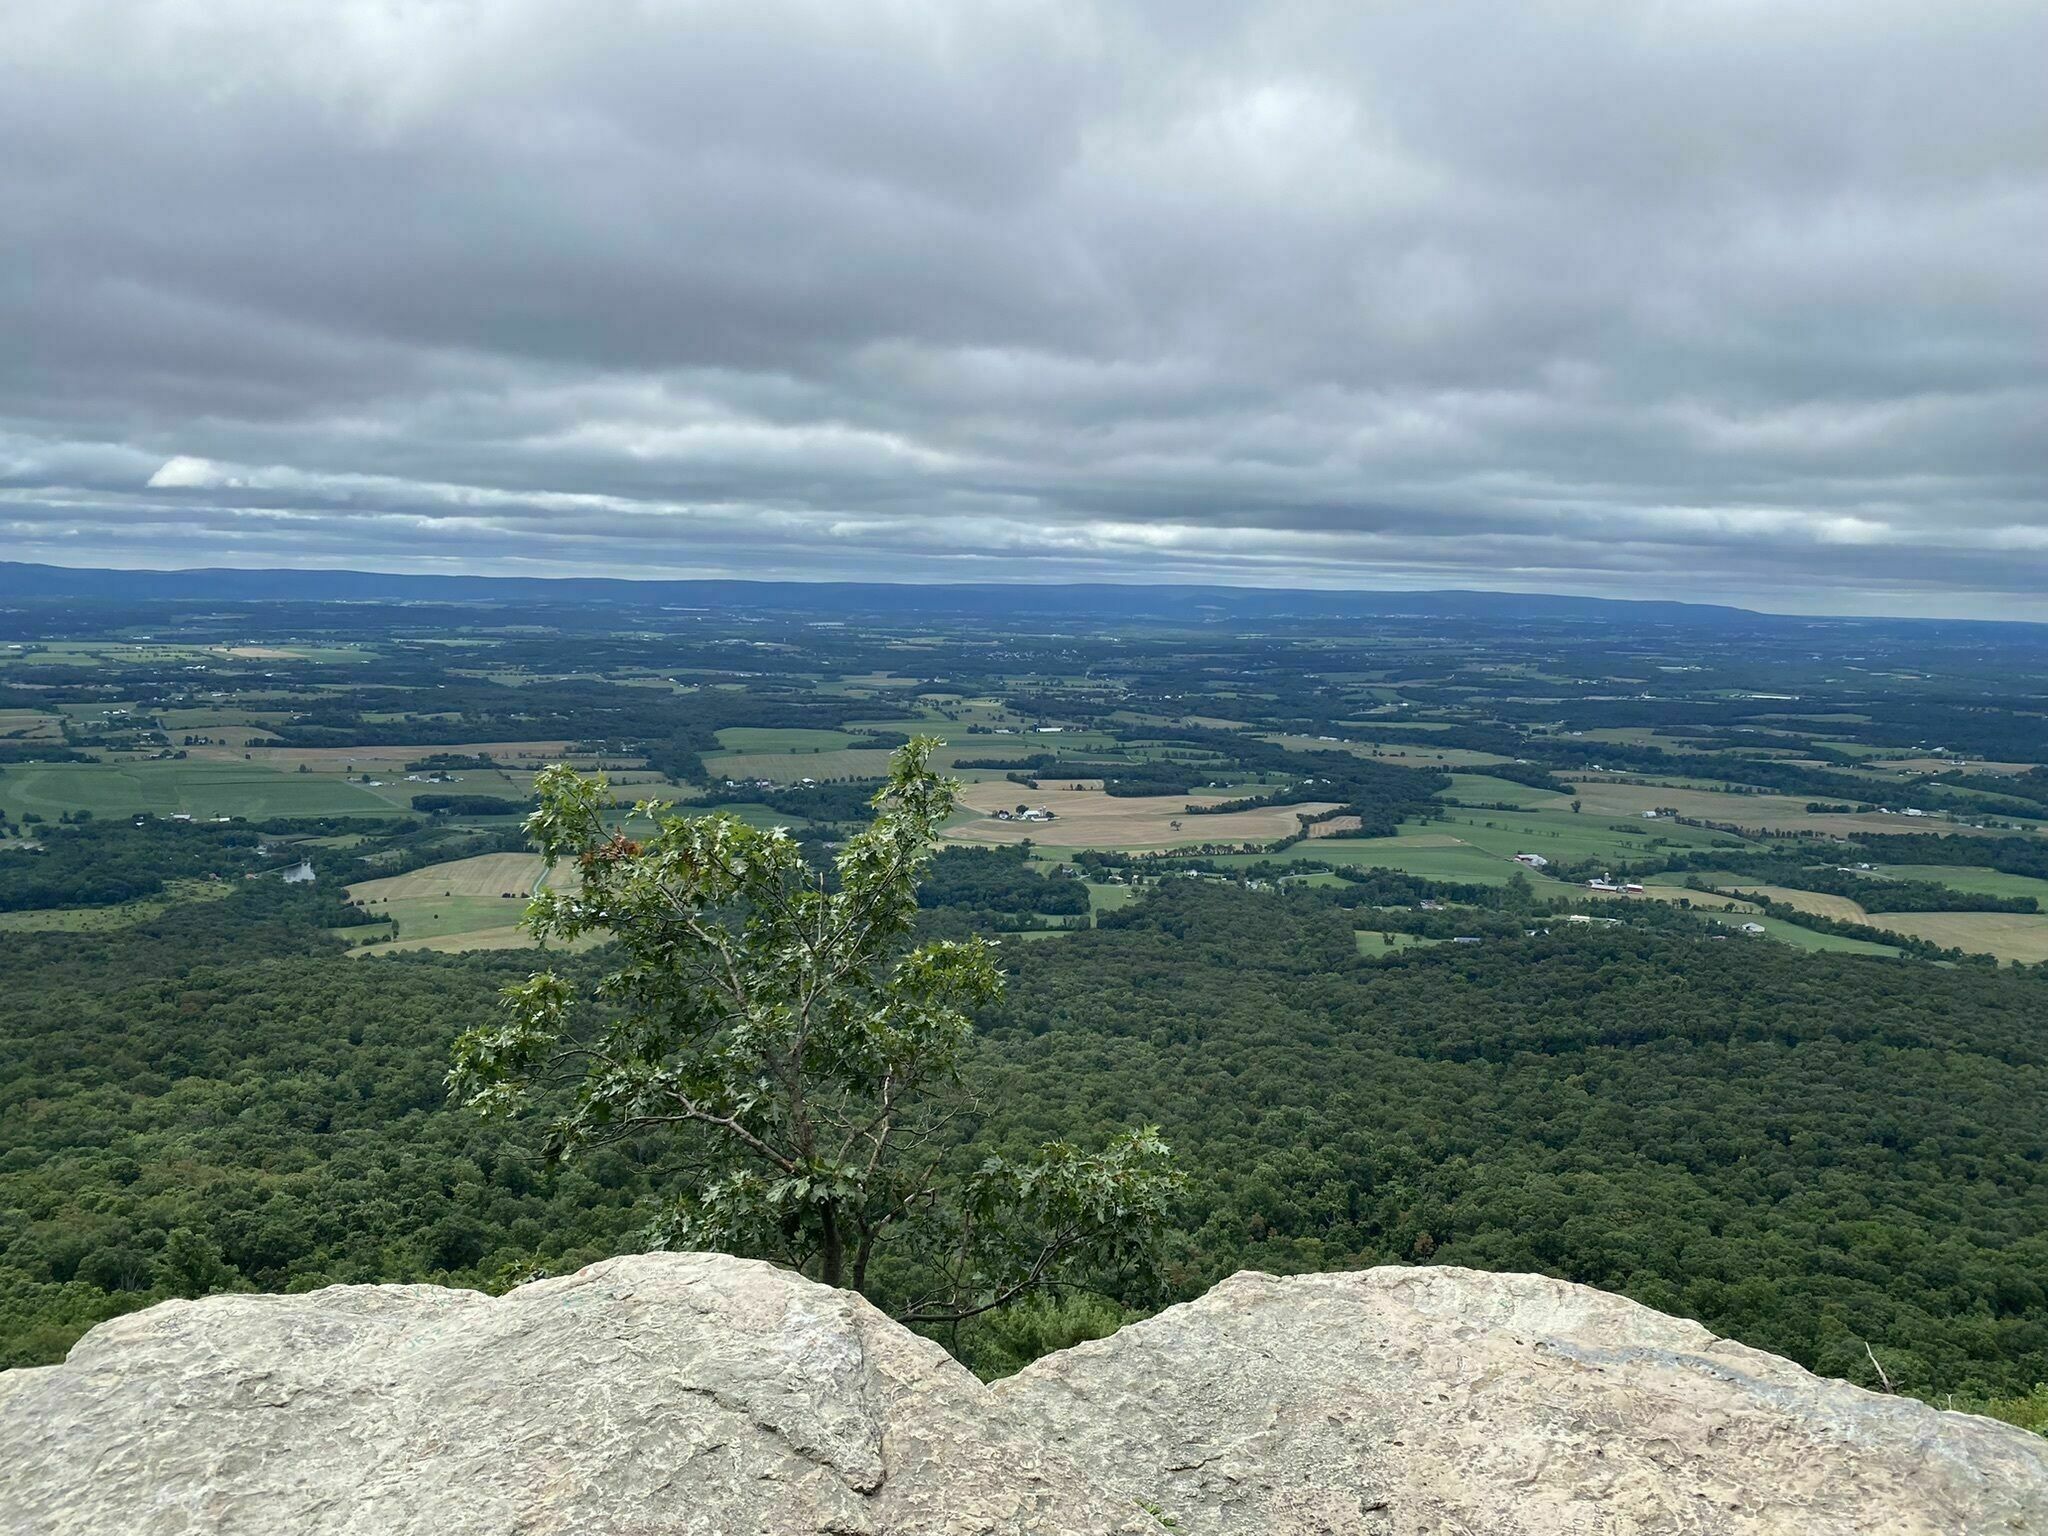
<point>1811,1153</point>
<point>1806,1152</point>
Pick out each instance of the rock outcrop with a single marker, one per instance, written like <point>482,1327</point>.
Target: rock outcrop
<point>693,1393</point>
<point>1450,1400</point>
<point>657,1395</point>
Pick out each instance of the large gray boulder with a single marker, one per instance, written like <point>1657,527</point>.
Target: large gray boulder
<point>1445,1400</point>
<point>693,1393</point>
<point>655,1396</point>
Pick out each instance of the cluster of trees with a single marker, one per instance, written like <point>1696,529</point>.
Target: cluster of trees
<point>469,805</point>
<point>836,800</point>
<point>88,863</point>
<point>448,762</point>
<point>999,882</point>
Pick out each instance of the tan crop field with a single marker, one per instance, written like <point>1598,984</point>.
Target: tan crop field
<point>30,725</point>
<point>1336,826</point>
<point>2008,935</point>
<point>1092,819</point>
<point>1819,903</point>
<point>488,874</point>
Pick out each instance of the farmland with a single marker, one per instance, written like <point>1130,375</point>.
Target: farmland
<point>1816,902</point>
<point>517,757</point>
<point>2020,936</point>
<point>1805,938</point>
<point>1094,819</point>
<point>472,903</point>
<point>291,727</point>
<point>189,788</point>
<point>1770,813</point>
<point>31,725</point>
<point>1431,855</point>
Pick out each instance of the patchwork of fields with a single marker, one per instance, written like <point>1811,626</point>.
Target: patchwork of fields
<point>1487,820</point>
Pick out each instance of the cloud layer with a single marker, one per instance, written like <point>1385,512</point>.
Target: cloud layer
<point>1703,298</point>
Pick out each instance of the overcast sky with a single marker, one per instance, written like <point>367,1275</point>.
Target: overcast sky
<point>1743,300</point>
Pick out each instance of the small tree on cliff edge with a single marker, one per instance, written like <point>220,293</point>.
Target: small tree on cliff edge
<point>778,1023</point>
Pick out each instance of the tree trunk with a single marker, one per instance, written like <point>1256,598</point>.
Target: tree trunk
<point>833,1260</point>
<point>861,1250</point>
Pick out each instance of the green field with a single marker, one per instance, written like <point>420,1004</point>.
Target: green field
<point>1107,898</point>
<point>192,788</point>
<point>1563,835</point>
<point>1372,942</point>
<point>440,916</point>
<point>762,816</point>
<point>1486,789</point>
<point>1803,938</point>
<point>749,738</point>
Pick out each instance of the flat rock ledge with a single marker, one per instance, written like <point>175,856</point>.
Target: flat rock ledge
<point>696,1393</point>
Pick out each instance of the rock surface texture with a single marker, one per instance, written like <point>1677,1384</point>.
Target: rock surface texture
<point>649,1396</point>
<point>1449,1400</point>
<point>685,1393</point>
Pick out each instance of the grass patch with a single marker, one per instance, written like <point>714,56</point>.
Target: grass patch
<point>1484,787</point>
<point>1372,942</point>
<point>1107,898</point>
<point>1805,938</point>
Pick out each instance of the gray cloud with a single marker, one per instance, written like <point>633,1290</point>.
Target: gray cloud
<point>1710,298</point>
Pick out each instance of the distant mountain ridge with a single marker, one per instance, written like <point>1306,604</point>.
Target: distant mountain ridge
<point>844,599</point>
<point>1095,602</point>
